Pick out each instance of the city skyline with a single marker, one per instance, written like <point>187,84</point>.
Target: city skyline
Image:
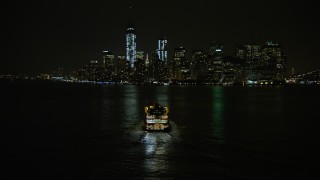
<point>44,36</point>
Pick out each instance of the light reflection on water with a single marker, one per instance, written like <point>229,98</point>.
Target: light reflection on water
<point>218,114</point>
<point>155,146</point>
<point>162,96</point>
<point>156,151</point>
<point>131,105</point>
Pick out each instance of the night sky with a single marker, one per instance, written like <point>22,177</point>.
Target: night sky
<point>40,36</point>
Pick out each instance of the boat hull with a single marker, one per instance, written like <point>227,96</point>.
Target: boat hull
<point>157,127</point>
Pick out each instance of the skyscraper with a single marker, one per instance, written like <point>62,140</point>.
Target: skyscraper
<point>216,63</point>
<point>108,60</point>
<point>179,67</point>
<point>198,64</point>
<point>275,60</point>
<point>162,50</point>
<point>109,65</point>
<point>131,47</point>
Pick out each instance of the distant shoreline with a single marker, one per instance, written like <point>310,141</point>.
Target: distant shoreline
<point>151,84</point>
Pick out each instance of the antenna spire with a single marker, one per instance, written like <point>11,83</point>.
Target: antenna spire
<point>130,12</point>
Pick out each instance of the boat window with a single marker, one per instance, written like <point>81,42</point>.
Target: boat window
<point>159,111</point>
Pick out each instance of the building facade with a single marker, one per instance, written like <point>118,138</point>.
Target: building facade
<point>131,46</point>
<point>162,50</point>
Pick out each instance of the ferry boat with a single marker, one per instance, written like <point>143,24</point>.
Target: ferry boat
<point>156,118</point>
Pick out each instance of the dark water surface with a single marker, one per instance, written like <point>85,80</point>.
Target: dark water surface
<point>69,131</point>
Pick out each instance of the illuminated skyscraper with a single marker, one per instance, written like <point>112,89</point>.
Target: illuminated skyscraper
<point>275,61</point>
<point>198,64</point>
<point>108,65</point>
<point>216,49</point>
<point>250,52</point>
<point>140,55</point>
<point>108,60</point>
<point>122,69</point>
<point>179,66</point>
<point>162,50</point>
<point>131,45</point>
<point>216,63</point>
